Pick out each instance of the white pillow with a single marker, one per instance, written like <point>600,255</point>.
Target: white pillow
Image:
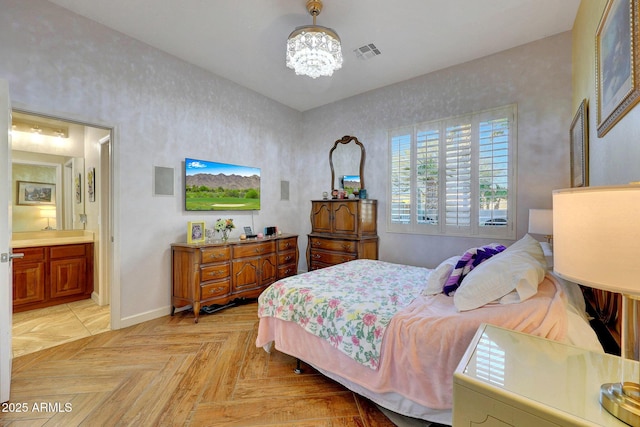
<point>531,246</point>
<point>439,276</point>
<point>496,277</point>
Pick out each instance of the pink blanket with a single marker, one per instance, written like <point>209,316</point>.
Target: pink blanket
<point>423,343</point>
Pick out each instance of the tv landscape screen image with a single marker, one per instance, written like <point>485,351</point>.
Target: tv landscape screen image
<point>212,186</point>
<point>351,182</point>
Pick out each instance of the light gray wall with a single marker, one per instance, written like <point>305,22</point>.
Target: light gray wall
<point>536,76</point>
<point>164,110</point>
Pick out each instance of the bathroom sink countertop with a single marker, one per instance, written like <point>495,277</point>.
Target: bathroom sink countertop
<point>29,239</point>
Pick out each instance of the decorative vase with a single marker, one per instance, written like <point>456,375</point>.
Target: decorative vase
<point>225,235</point>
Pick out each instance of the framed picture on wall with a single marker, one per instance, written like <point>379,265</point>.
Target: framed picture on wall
<point>617,63</point>
<point>77,185</point>
<point>579,137</point>
<point>36,193</point>
<point>91,184</point>
<point>196,232</point>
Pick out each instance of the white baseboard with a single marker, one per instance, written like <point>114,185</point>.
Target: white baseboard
<point>125,322</point>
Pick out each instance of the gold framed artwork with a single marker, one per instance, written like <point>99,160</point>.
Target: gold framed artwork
<point>579,137</point>
<point>196,232</point>
<point>36,193</point>
<point>617,63</point>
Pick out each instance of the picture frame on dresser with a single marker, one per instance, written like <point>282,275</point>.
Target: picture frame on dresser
<point>617,63</point>
<point>196,232</point>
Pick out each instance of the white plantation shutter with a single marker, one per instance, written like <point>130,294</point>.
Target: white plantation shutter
<point>401,178</point>
<point>455,176</point>
<point>427,177</point>
<point>458,175</point>
<point>493,170</point>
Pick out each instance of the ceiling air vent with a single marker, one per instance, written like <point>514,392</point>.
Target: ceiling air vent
<point>367,51</point>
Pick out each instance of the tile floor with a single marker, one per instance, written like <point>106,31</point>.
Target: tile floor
<point>35,330</point>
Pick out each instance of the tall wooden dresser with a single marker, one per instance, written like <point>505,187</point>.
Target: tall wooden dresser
<point>342,230</point>
<point>218,273</point>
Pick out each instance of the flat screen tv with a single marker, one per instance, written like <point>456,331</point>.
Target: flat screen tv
<point>212,186</point>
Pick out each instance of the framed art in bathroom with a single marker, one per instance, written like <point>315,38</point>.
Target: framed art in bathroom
<point>36,193</point>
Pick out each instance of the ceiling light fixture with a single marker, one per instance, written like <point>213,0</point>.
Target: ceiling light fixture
<point>313,50</point>
<point>44,129</point>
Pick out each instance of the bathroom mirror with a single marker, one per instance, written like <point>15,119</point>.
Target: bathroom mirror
<point>346,159</point>
<point>59,173</point>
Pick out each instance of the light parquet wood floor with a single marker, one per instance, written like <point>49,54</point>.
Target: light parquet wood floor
<point>172,372</point>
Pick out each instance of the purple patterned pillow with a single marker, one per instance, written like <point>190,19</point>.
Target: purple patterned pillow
<point>470,259</point>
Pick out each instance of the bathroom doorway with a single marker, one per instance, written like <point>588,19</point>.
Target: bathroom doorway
<point>85,151</point>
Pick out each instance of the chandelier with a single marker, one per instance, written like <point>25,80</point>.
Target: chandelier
<point>313,50</point>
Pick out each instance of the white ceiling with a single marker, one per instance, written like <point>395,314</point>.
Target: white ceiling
<point>244,40</point>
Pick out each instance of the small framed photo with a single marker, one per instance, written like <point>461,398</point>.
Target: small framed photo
<point>36,193</point>
<point>196,232</point>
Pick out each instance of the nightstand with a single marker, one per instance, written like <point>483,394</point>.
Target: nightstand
<point>509,378</point>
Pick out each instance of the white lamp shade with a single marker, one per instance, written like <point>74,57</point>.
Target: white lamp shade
<point>47,213</point>
<point>596,237</point>
<point>541,221</point>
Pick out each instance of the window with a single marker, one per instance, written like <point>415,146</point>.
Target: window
<point>455,176</point>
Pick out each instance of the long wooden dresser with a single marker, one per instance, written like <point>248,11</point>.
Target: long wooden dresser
<point>342,230</point>
<point>218,273</point>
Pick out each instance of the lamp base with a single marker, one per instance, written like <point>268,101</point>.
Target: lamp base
<point>622,400</point>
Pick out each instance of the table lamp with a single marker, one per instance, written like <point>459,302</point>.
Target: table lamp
<point>596,239</point>
<point>48,213</point>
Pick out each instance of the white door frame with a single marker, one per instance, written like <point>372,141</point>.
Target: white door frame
<point>6,287</point>
<point>114,249</point>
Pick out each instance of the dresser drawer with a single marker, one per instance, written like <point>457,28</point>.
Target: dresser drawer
<point>287,258</point>
<point>253,249</point>
<point>334,245</point>
<point>331,257</point>
<point>315,265</point>
<point>215,289</point>
<point>214,272</point>
<point>286,244</point>
<point>216,254</point>
<point>286,271</point>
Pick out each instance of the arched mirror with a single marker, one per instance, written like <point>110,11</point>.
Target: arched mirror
<point>347,164</point>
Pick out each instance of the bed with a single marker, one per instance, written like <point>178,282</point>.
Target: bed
<point>391,332</point>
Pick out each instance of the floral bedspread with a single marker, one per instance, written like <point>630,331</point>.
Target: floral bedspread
<point>349,304</point>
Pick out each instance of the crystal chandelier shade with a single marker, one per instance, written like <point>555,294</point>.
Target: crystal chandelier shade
<point>313,50</point>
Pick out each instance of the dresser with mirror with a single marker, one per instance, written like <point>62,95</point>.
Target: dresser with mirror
<point>343,228</point>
